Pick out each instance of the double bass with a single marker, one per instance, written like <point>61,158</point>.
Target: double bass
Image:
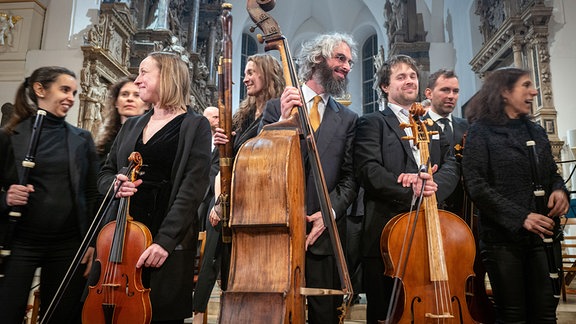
<point>429,253</point>
<point>266,281</point>
<point>119,295</point>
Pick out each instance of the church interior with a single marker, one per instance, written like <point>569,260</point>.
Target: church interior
<point>104,40</point>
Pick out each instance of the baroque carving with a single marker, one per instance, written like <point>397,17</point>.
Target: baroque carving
<point>523,35</point>
<point>106,57</point>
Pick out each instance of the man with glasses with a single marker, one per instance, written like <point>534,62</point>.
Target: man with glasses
<point>324,63</point>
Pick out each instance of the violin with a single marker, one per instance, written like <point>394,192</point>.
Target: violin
<point>119,295</point>
<point>430,255</point>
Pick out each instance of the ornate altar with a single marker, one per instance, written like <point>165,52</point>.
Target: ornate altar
<point>128,30</point>
<point>516,34</point>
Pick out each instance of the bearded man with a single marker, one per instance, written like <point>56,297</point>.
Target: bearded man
<point>324,63</point>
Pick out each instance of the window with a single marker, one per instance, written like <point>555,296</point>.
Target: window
<point>369,95</point>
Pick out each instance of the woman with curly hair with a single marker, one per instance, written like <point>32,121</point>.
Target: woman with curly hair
<point>123,101</point>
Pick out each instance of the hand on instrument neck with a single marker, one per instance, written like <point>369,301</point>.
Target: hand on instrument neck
<point>414,180</point>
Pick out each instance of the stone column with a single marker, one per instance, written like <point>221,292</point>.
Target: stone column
<point>211,55</point>
<point>193,27</point>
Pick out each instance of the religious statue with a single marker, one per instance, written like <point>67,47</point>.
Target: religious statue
<point>94,101</point>
<point>7,23</point>
<point>158,15</point>
<point>176,47</point>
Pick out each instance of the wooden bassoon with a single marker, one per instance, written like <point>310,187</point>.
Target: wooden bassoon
<point>225,151</point>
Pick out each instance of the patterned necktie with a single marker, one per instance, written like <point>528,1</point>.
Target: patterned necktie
<point>447,130</point>
<point>315,114</point>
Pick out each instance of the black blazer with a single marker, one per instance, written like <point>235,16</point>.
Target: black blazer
<point>380,157</point>
<point>455,202</point>
<point>82,158</point>
<point>334,140</point>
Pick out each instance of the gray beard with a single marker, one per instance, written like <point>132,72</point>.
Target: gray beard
<point>332,86</point>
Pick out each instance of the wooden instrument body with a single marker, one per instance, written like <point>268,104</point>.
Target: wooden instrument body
<point>119,295</point>
<point>419,295</point>
<point>268,232</point>
<point>123,285</point>
<point>430,251</point>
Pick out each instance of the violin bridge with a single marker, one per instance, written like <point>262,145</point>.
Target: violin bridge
<point>111,285</point>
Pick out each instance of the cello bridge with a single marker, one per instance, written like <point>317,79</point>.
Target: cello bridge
<point>446,315</point>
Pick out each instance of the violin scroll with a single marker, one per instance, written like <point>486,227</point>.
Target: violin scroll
<point>135,165</point>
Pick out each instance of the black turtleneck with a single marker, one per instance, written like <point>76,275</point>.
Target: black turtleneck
<point>49,214</point>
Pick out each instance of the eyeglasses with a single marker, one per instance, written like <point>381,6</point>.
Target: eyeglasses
<point>343,59</point>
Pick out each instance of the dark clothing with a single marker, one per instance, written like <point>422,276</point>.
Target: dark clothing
<point>455,202</point>
<point>381,155</point>
<point>56,218</point>
<point>173,215</point>
<point>353,240</point>
<point>50,192</point>
<point>497,176</point>
<point>334,141</point>
<point>520,282</point>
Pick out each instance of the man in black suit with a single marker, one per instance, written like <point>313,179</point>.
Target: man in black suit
<point>387,167</point>
<point>324,65</point>
<point>443,91</point>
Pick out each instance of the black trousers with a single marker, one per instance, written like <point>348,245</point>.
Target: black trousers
<point>209,269</point>
<point>520,281</point>
<point>321,272</point>
<point>378,289</point>
<point>54,259</point>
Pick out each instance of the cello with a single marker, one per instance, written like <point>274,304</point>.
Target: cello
<point>430,255</point>
<point>119,295</point>
<point>266,281</point>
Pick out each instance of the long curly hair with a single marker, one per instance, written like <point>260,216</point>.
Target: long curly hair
<point>488,104</point>
<point>112,121</point>
<point>273,79</point>
<point>318,50</point>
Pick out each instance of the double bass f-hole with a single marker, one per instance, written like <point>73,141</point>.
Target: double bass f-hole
<point>119,295</point>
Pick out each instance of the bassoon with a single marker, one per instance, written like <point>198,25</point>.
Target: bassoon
<point>226,150</point>
<point>28,164</point>
<point>541,208</point>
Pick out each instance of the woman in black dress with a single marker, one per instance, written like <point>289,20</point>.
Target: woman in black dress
<point>174,143</point>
